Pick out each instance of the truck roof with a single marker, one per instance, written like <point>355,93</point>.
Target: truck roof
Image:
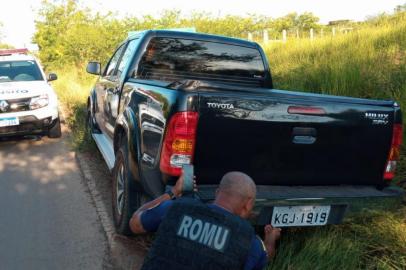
<point>193,35</point>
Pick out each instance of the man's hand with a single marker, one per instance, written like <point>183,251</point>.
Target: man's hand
<point>135,222</point>
<point>273,233</point>
<point>271,236</point>
<point>177,190</point>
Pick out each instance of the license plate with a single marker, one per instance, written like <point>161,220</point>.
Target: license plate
<point>289,216</point>
<point>11,121</point>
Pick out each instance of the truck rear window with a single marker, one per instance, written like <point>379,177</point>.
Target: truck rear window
<point>169,58</point>
<point>19,71</point>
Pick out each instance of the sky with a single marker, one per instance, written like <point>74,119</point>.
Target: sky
<point>17,16</point>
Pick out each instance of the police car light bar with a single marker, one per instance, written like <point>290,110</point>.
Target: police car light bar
<point>13,51</point>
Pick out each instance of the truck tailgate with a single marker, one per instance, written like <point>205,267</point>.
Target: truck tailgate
<point>292,139</point>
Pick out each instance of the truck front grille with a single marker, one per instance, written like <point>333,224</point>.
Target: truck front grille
<point>15,105</point>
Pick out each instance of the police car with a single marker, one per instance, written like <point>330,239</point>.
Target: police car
<point>28,104</point>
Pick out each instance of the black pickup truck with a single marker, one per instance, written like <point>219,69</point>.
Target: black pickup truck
<point>168,98</point>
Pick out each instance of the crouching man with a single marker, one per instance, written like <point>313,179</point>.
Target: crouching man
<point>192,235</point>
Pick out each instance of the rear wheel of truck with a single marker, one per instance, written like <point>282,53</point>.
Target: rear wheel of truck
<point>55,131</point>
<point>125,198</point>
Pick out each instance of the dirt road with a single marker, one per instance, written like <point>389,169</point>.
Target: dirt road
<point>47,218</point>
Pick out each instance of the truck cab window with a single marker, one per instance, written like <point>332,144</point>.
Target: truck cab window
<point>129,51</point>
<point>170,58</point>
<point>111,66</point>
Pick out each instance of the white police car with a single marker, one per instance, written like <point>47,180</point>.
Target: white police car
<point>28,104</point>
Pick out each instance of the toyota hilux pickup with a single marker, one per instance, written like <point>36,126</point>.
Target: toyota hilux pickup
<point>28,104</point>
<point>168,98</point>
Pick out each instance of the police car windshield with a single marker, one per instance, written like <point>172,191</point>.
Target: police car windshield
<point>19,71</point>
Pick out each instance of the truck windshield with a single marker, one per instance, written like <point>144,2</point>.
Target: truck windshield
<point>19,71</point>
<point>168,58</point>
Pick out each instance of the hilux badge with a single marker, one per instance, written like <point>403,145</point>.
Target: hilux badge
<point>378,118</point>
<point>3,105</point>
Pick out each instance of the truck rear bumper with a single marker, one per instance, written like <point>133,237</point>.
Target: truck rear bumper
<point>346,199</point>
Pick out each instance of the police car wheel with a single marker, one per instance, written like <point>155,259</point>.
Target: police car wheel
<point>125,199</point>
<point>55,130</point>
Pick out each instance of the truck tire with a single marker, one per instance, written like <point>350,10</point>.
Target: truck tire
<point>91,126</point>
<point>125,198</point>
<point>55,130</point>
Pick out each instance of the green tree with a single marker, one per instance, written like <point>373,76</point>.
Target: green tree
<point>55,20</point>
<point>68,34</point>
<point>400,8</point>
<point>288,22</point>
<point>308,20</point>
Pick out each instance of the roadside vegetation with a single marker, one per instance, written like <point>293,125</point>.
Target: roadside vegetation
<point>73,87</point>
<point>368,62</point>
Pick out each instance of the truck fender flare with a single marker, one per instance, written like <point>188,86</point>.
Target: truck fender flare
<point>127,123</point>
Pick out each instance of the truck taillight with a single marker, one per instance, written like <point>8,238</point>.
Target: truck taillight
<point>394,152</point>
<point>179,144</point>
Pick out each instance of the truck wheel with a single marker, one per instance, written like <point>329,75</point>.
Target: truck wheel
<point>125,198</point>
<point>91,127</point>
<point>55,130</point>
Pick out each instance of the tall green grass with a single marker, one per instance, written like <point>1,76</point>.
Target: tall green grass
<point>372,240</point>
<point>368,63</point>
<point>73,88</point>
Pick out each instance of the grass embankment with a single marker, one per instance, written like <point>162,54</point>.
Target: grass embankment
<point>370,63</point>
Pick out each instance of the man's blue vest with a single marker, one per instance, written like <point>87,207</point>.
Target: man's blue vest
<point>195,236</point>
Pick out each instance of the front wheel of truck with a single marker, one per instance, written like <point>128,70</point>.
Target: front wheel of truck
<point>125,198</point>
<point>91,125</point>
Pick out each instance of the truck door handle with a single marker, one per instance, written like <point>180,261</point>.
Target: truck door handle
<point>303,135</point>
<point>304,140</point>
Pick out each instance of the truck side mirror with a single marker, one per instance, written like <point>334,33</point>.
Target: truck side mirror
<point>93,68</point>
<point>52,77</point>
